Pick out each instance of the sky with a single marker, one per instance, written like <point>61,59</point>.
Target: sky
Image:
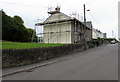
<point>103,13</point>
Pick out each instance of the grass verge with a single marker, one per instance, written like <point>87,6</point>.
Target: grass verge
<point>18,45</point>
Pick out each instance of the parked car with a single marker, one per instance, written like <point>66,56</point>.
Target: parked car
<point>113,42</point>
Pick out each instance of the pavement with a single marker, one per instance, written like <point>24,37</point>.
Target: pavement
<point>100,63</point>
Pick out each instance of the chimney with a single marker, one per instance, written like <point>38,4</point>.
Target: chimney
<point>57,9</point>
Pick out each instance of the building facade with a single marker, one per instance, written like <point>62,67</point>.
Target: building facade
<point>94,33</point>
<point>104,35</point>
<point>98,34</point>
<point>89,31</point>
<point>60,28</point>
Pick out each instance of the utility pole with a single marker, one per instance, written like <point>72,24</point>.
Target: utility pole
<point>84,27</point>
<point>112,34</point>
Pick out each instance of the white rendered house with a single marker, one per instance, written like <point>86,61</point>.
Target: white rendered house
<point>60,28</point>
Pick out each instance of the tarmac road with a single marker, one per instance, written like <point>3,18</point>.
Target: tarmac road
<point>100,63</point>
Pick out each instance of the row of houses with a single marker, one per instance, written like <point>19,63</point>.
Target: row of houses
<point>98,34</point>
<point>61,28</point>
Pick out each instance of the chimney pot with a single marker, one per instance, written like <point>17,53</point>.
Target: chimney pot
<point>57,9</point>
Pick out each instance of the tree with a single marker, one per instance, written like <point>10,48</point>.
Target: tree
<point>14,30</point>
<point>18,19</point>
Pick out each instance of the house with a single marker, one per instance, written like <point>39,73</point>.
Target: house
<point>94,33</point>
<point>104,35</point>
<point>60,28</point>
<point>98,34</point>
<point>89,31</point>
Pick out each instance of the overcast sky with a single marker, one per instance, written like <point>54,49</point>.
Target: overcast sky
<point>103,13</point>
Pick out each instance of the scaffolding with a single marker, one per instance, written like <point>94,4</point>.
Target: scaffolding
<point>77,31</point>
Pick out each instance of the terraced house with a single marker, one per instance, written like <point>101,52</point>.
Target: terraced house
<point>98,34</point>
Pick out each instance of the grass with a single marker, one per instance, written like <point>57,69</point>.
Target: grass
<point>17,45</point>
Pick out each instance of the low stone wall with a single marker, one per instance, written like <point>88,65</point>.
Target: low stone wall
<point>19,57</point>
<point>13,58</point>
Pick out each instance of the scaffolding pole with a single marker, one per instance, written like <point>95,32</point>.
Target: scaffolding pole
<point>33,36</point>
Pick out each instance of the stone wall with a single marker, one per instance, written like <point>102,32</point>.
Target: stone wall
<point>19,57</point>
<point>13,58</point>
